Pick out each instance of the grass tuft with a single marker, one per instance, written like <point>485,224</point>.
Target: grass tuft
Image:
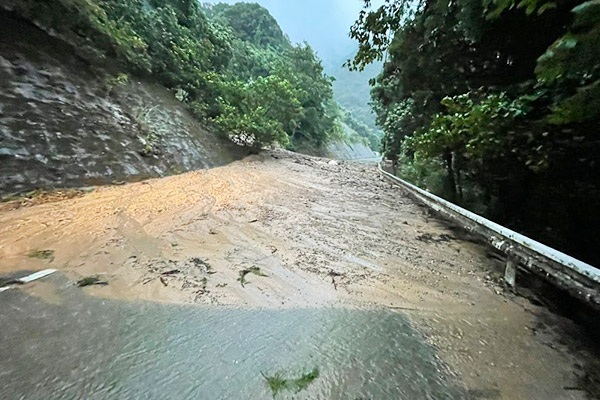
<point>306,379</point>
<point>91,280</point>
<point>42,254</point>
<point>277,383</point>
<point>252,270</point>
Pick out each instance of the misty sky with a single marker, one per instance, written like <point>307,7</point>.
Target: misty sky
<point>322,23</point>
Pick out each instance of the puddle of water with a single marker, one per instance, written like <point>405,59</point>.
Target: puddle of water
<point>92,348</point>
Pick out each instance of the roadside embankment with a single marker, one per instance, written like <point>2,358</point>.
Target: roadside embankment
<point>64,123</point>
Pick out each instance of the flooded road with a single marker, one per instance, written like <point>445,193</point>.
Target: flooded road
<point>282,263</point>
<point>85,347</point>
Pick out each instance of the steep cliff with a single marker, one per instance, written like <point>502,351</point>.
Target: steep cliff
<point>343,150</point>
<point>65,123</point>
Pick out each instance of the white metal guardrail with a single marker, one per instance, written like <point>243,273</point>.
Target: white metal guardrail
<point>566,269</point>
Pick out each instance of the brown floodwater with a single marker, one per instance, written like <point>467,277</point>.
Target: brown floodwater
<point>90,348</point>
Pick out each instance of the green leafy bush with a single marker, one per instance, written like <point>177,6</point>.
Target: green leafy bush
<point>504,96</point>
<point>234,67</point>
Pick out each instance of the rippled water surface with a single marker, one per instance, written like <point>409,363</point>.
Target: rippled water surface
<point>96,349</point>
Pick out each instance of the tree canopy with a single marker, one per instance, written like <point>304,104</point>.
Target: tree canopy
<point>494,104</point>
<point>231,64</point>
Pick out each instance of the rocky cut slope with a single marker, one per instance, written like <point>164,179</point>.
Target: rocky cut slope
<point>64,123</point>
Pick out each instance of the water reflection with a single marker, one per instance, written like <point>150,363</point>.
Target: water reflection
<point>95,349</point>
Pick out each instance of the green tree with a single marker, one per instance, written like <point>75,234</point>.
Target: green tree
<point>511,114</point>
<point>260,112</point>
<point>231,64</point>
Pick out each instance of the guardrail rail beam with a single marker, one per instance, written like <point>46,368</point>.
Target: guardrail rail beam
<point>576,277</point>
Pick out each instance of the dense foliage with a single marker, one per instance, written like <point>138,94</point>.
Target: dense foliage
<point>370,136</point>
<point>271,81</point>
<point>494,104</point>
<point>231,64</point>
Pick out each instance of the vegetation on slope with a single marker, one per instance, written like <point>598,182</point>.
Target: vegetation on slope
<point>352,90</point>
<point>231,64</point>
<point>495,104</point>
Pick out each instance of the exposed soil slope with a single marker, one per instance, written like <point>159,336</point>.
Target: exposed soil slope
<point>66,123</point>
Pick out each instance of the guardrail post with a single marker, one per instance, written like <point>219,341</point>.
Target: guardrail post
<point>510,273</point>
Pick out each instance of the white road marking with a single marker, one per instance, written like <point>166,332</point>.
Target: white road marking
<point>37,275</point>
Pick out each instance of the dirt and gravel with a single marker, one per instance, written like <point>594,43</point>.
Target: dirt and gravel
<point>281,229</point>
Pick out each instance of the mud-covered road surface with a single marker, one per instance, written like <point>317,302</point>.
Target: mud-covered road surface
<point>280,231</point>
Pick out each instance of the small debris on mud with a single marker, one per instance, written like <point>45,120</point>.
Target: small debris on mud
<point>252,270</point>
<point>203,283</point>
<point>428,238</point>
<point>202,264</point>
<point>42,255</point>
<point>190,274</point>
<point>91,280</point>
<point>35,197</point>
<point>202,287</point>
<point>198,286</point>
<point>333,274</point>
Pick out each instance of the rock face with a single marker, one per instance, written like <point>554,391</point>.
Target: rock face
<point>351,151</point>
<point>64,123</point>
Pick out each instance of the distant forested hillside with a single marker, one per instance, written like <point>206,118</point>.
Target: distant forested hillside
<point>352,90</point>
<point>230,64</point>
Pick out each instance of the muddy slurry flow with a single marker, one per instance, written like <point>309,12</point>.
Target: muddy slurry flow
<point>280,275</point>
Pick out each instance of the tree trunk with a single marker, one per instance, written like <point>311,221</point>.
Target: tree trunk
<point>451,177</point>
<point>459,186</point>
<point>394,159</point>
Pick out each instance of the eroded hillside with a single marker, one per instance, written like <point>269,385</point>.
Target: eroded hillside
<point>66,123</point>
